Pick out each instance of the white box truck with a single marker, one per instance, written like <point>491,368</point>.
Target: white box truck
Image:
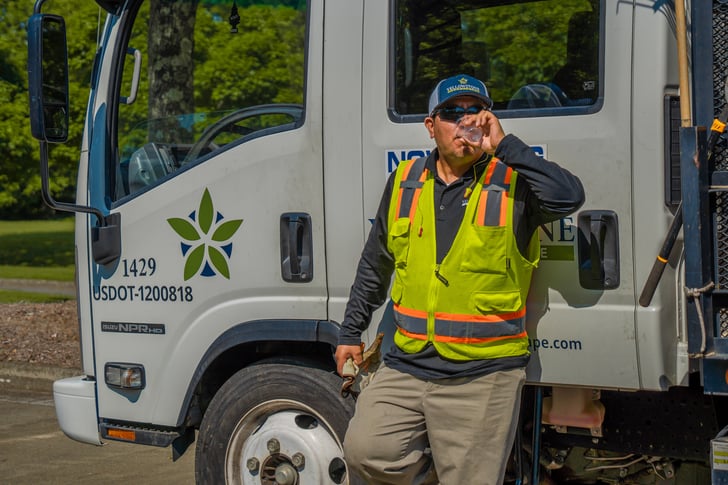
<point>233,156</point>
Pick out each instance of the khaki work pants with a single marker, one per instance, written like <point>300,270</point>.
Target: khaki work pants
<point>407,431</point>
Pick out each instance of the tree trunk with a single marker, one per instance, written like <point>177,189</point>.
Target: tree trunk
<point>171,68</point>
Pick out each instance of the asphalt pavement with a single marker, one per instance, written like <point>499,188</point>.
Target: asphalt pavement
<point>34,450</point>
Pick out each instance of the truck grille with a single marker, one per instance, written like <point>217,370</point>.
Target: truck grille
<point>723,322</point>
<point>720,231</point>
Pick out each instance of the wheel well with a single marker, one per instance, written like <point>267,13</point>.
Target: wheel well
<point>306,354</point>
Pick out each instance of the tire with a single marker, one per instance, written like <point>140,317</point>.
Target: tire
<point>300,407</point>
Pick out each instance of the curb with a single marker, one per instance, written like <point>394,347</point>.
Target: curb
<point>20,376</point>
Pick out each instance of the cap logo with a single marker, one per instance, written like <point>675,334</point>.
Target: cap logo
<point>463,86</point>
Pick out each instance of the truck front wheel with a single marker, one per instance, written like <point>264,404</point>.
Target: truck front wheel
<point>275,424</point>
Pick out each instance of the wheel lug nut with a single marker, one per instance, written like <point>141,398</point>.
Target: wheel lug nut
<point>253,464</point>
<point>298,460</point>
<point>273,446</point>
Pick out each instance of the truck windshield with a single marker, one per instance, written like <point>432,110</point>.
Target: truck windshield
<point>213,73</point>
<point>531,55</point>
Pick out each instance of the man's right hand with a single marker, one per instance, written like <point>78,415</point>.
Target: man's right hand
<point>492,131</point>
<point>343,352</point>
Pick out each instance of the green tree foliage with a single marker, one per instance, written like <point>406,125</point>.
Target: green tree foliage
<point>245,63</point>
<point>17,149</point>
<point>19,174</point>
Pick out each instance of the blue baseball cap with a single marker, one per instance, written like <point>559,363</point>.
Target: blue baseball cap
<point>460,85</point>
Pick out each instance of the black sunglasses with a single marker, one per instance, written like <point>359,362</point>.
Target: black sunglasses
<point>454,113</point>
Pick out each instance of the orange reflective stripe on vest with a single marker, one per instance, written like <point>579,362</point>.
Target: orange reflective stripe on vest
<point>410,188</point>
<point>493,203</point>
<point>462,340</point>
<point>460,327</point>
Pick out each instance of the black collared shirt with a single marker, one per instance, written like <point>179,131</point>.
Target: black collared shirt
<point>545,192</point>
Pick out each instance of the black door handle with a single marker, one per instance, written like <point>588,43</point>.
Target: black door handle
<point>598,249</point>
<point>296,247</point>
<point>596,243</point>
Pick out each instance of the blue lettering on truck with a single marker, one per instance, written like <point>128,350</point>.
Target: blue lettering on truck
<point>143,293</point>
<point>534,344</point>
<point>394,157</point>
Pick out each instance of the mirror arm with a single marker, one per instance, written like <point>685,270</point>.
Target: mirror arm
<point>38,5</point>
<point>46,190</point>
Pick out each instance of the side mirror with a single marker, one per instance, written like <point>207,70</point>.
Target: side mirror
<point>48,89</point>
<point>48,78</point>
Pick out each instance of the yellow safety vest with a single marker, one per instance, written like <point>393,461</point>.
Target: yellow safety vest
<point>472,305</point>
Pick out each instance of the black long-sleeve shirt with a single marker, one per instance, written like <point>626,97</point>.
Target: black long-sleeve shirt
<point>544,192</point>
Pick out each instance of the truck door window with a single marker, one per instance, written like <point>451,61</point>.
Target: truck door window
<point>542,56</point>
<point>212,76</point>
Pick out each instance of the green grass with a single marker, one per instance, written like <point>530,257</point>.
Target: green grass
<point>37,249</point>
<point>12,296</point>
<point>52,273</point>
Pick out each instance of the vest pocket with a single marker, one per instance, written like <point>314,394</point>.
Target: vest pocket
<point>494,302</point>
<point>485,250</point>
<point>399,241</point>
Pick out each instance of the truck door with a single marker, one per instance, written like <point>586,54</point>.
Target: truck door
<point>556,71</point>
<point>213,166</point>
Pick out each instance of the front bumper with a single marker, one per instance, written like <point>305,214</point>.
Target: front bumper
<point>75,400</point>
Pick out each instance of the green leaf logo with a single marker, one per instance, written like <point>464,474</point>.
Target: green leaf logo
<point>206,240</point>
